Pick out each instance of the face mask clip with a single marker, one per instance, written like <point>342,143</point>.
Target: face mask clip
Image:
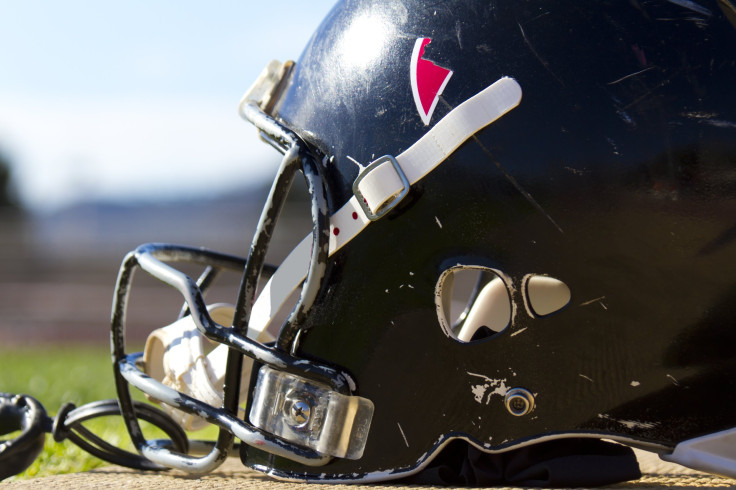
<point>311,414</point>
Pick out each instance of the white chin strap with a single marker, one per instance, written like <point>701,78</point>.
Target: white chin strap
<point>175,355</point>
<point>382,184</point>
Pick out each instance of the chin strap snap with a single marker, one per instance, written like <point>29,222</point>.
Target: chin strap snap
<point>25,414</point>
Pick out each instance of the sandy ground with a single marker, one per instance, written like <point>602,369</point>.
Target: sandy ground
<point>657,474</point>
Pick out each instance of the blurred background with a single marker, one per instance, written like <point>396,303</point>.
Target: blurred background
<point>118,126</point>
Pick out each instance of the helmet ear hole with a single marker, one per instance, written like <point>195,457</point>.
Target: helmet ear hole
<point>473,303</point>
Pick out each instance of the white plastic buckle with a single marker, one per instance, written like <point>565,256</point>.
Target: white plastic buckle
<point>389,199</point>
<point>311,414</point>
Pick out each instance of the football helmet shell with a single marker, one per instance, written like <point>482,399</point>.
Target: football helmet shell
<point>577,158</point>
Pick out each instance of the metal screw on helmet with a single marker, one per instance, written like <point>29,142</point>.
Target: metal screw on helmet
<point>519,401</point>
<point>297,410</point>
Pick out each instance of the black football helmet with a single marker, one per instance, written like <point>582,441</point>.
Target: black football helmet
<point>524,224</point>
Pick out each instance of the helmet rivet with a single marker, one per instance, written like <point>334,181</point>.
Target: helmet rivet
<point>297,411</point>
<point>519,401</point>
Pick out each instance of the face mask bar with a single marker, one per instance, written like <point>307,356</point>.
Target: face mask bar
<point>152,258</point>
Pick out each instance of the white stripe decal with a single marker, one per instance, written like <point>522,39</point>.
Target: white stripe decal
<point>417,161</point>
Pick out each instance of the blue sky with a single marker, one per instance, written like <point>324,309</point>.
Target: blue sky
<point>137,99</point>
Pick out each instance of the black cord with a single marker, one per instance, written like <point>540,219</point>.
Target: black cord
<point>24,413</point>
<point>21,413</point>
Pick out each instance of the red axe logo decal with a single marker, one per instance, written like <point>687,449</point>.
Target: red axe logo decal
<point>427,80</point>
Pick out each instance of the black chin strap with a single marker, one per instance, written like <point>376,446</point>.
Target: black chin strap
<point>557,463</point>
<point>25,414</point>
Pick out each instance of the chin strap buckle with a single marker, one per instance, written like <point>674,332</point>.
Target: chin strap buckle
<point>311,414</point>
<point>380,187</point>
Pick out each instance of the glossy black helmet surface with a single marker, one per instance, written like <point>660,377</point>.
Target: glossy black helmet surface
<point>575,160</point>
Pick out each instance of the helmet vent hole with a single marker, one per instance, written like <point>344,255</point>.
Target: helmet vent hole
<point>546,295</point>
<point>473,303</point>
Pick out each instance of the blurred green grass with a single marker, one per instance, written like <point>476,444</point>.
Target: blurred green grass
<point>55,375</point>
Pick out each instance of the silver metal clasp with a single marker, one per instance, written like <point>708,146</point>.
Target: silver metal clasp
<point>311,414</point>
<point>390,201</point>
